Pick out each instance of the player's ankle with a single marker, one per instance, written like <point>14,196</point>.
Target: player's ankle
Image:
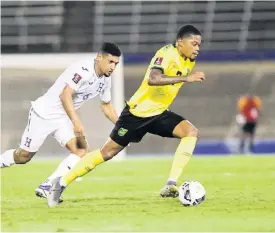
<point>47,181</point>
<point>171,182</point>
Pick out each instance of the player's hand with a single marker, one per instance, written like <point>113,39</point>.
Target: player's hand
<point>196,77</point>
<point>78,128</point>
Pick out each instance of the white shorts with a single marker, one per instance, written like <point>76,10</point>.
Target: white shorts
<point>38,129</point>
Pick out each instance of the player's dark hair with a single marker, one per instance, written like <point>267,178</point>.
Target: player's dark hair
<point>110,48</point>
<point>187,30</point>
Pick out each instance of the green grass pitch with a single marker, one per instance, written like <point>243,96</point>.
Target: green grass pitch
<point>124,196</point>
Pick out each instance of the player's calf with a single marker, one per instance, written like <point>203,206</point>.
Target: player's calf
<point>78,147</point>
<point>110,149</point>
<point>188,135</point>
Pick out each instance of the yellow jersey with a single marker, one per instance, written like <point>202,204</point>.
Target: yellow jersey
<point>154,100</point>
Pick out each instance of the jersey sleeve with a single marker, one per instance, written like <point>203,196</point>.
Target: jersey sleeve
<point>106,94</point>
<point>76,77</point>
<point>161,61</point>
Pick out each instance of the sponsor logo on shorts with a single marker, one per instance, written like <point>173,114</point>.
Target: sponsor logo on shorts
<point>122,132</point>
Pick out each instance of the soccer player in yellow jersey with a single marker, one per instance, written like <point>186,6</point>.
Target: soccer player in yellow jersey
<point>147,112</point>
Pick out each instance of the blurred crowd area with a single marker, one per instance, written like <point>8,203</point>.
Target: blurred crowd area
<point>137,26</point>
<point>238,53</point>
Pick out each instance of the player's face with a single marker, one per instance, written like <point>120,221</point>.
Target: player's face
<point>190,46</point>
<point>108,64</point>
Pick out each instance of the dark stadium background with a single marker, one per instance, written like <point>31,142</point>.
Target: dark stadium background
<point>237,54</point>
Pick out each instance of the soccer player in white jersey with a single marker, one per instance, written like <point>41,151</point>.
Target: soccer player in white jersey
<point>54,113</point>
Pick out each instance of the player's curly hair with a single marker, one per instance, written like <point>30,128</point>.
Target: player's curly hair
<point>110,48</point>
<point>187,30</point>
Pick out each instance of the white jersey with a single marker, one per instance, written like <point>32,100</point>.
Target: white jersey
<point>81,77</point>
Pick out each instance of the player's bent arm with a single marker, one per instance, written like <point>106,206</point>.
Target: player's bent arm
<point>109,111</point>
<point>157,78</point>
<point>67,102</point>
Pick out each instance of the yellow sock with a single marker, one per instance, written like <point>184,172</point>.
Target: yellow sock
<point>86,164</point>
<point>182,157</point>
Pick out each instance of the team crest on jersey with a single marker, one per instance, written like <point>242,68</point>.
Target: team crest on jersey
<point>122,132</point>
<point>158,61</point>
<point>76,78</point>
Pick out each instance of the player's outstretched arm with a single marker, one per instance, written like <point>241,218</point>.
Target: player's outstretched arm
<point>109,111</point>
<point>67,102</point>
<point>157,78</point>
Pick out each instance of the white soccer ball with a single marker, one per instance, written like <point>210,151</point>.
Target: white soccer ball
<point>191,193</point>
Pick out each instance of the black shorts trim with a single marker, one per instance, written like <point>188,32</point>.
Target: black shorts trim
<point>131,128</point>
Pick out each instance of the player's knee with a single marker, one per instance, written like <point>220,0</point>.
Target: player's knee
<point>193,132</point>
<point>185,129</point>
<point>22,157</point>
<point>190,132</point>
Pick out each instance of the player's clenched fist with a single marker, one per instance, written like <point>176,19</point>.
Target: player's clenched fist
<point>196,77</point>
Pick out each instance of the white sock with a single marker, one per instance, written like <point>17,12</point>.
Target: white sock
<point>62,182</point>
<point>66,165</point>
<point>6,159</point>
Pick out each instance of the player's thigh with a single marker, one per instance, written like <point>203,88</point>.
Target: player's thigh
<point>129,128</point>
<point>64,134</point>
<point>166,125</point>
<point>35,133</point>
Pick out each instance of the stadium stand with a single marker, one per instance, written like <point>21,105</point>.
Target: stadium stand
<point>140,28</point>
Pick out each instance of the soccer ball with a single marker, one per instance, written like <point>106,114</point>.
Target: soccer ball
<point>191,193</point>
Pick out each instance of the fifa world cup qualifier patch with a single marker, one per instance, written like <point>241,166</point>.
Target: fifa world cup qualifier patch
<point>76,78</point>
<point>158,61</point>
